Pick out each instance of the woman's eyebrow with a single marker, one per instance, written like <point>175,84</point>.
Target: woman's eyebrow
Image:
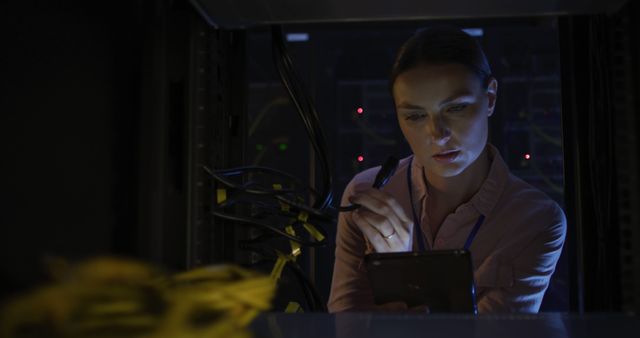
<point>460,95</point>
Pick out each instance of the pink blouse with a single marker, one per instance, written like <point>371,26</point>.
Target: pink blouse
<point>514,253</point>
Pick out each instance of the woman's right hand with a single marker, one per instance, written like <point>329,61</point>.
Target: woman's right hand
<point>382,220</point>
<point>402,307</point>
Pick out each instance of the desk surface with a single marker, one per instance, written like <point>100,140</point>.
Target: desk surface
<point>356,325</point>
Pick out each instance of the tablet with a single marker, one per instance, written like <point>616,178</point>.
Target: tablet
<point>440,279</point>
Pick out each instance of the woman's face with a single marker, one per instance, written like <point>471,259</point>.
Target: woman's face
<point>443,112</point>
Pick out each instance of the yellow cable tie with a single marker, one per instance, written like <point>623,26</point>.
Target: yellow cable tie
<point>314,232</point>
<point>295,246</point>
<point>283,206</point>
<point>278,267</point>
<point>293,307</point>
<point>303,216</point>
<point>221,195</point>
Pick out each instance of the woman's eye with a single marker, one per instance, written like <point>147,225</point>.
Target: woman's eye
<point>457,108</point>
<point>415,117</point>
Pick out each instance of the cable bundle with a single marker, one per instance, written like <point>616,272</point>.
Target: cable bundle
<point>306,112</point>
<point>109,297</point>
<point>251,196</point>
<point>276,202</point>
<point>272,208</point>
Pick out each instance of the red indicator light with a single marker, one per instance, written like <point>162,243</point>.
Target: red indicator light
<point>360,158</point>
<point>527,156</point>
<point>360,111</point>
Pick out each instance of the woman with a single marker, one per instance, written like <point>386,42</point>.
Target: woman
<point>454,192</point>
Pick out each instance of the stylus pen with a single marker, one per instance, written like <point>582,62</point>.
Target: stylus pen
<point>382,178</point>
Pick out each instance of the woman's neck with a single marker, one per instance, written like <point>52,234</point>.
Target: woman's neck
<point>456,190</point>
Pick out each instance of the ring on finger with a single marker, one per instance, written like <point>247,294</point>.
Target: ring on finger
<point>389,236</point>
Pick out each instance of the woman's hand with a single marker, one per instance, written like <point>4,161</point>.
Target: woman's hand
<point>382,220</point>
<point>402,307</point>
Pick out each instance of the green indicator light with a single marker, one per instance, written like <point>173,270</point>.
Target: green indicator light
<point>282,146</point>
<point>259,147</point>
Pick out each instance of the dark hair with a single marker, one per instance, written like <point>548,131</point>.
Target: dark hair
<point>439,45</point>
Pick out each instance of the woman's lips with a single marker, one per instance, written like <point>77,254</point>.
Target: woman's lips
<point>447,156</point>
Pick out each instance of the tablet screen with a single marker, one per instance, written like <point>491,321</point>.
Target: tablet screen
<point>440,279</point>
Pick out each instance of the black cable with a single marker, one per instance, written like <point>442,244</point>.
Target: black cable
<point>257,195</point>
<point>348,208</point>
<point>311,211</point>
<point>275,172</point>
<point>278,194</point>
<point>312,296</point>
<point>313,214</point>
<point>272,228</point>
<point>263,237</point>
<point>306,111</point>
<point>231,184</point>
<point>276,210</point>
<point>318,303</point>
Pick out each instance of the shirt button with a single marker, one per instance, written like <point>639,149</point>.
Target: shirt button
<point>439,242</point>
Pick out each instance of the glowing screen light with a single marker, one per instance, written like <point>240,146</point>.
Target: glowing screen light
<point>297,37</point>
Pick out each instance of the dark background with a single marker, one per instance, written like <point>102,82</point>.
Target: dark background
<point>70,118</point>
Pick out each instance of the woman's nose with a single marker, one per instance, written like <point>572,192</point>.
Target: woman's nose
<point>439,130</point>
